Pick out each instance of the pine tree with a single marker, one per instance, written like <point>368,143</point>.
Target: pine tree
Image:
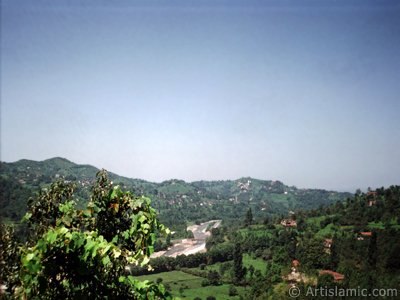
<point>239,271</point>
<point>249,218</point>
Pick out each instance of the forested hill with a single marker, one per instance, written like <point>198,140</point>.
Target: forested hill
<point>176,200</point>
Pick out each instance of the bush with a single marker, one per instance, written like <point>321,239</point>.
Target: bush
<point>205,282</point>
<point>232,291</point>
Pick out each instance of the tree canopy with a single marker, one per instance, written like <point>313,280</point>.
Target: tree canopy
<point>85,254</point>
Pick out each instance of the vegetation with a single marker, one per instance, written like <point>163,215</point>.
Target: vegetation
<point>256,260</point>
<point>103,249</point>
<point>82,254</point>
<point>177,202</point>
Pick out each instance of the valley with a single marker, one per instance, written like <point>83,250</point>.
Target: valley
<point>241,239</point>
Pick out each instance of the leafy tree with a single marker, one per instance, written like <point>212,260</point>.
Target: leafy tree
<point>189,234</point>
<point>214,278</point>
<point>75,254</point>
<point>9,252</point>
<point>168,240</point>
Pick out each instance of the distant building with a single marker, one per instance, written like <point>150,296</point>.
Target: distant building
<point>328,243</point>
<point>336,276</point>
<point>288,223</point>
<point>364,234</point>
<point>295,263</point>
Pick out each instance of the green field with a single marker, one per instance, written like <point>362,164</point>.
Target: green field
<point>315,220</point>
<point>257,230</point>
<point>328,231</point>
<point>257,263</point>
<point>190,286</point>
<point>187,286</point>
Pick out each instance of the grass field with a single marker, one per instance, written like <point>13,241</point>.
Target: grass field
<point>257,230</point>
<point>315,220</point>
<point>257,263</point>
<point>190,286</point>
<point>327,231</point>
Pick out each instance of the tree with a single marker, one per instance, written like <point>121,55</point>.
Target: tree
<point>189,234</point>
<point>168,240</point>
<point>249,218</point>
<point>232,291</point>
<point>9,258</point>
<point>251,271</point>
<point>81,254</point>
<point>372,251</point>
<point>214,278</point>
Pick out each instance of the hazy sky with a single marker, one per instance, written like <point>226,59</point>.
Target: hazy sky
<point>306,92</point>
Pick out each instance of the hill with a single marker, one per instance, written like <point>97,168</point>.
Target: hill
<point>177,201</point>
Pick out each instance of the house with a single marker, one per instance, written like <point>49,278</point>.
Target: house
<point>288,223</point>
<point>295,263</point>
<point>364,234</point>
<point>328,243</point>
<point>336,276</point>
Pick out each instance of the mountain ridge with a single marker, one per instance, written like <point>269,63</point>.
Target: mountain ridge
<point>59,158</point>
<point>176,200</point>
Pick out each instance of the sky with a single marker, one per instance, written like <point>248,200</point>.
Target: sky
<point>305,92</point>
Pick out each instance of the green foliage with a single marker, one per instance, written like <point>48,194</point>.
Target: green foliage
<point>176,201</point>
<point>232,291</point>
<point>214,278</point>
<point>9,254</point>
<point>75,254</point>
<point>249,218</point>
<point>238,270</point>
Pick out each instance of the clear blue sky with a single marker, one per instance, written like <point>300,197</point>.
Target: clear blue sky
<point>306,92</point>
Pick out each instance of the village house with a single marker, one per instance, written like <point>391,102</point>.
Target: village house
<point>288,223</point>
<point>328,245</point>
<point>295,264</point>
<point>336,276</point>
<point>364,234</point>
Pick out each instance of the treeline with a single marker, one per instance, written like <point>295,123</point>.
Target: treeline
<point>379,206</point>
<point>220,253</point>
